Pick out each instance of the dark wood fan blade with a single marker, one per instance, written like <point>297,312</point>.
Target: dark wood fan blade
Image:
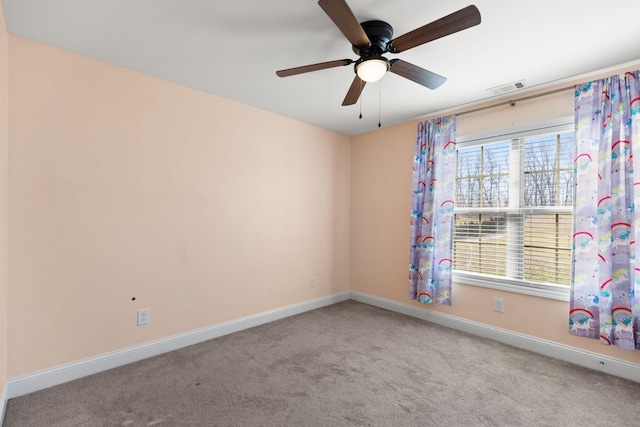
<point>345,20</point>
<point>419,75</point>
<point>457,21</point>
<point>313,67</point>
<point>354,92</point>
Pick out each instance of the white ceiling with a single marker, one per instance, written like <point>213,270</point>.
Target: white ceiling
<point>233,48</point>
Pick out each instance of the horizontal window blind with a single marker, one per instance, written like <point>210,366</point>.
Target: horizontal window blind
<point>513,209</point>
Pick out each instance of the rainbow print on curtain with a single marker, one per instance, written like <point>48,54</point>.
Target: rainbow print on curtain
<point>605,303</point>
<point>434,168</point>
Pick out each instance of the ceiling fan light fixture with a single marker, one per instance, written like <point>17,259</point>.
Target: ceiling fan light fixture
<point>372,70</point>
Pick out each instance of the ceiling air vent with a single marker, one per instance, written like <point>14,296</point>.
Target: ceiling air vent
<point>510,87</point>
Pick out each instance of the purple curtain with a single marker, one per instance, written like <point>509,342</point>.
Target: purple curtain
<point>605,279</point>
<point>434,169</point>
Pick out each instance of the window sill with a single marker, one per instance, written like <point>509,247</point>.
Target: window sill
<point>550,292</point>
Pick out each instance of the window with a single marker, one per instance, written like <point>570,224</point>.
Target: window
<point>514,197</point>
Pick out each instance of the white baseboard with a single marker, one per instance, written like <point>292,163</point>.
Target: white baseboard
<point>29,383</point>
<point>588,359</point>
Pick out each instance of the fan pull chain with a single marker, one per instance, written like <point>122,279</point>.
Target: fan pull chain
<point>380,103</point>
<point>360,100</point>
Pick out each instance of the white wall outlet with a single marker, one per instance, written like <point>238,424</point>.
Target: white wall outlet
<point>498,305</point>
<point>312,282</point>
<point>143,316</point>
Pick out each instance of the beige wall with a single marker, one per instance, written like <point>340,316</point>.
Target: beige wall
<point>4,175</point>
<point>123,186</point>
<point>381,164</point>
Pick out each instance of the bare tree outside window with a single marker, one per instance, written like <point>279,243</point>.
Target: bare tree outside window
<point>547,171</point>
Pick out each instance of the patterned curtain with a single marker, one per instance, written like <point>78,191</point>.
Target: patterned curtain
<point>434,168</point>
<point>606,268</point>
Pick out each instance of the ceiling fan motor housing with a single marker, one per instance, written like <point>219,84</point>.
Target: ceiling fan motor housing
<point>380,34</point>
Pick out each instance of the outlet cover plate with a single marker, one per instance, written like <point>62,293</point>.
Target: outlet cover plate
<point>143,317</point>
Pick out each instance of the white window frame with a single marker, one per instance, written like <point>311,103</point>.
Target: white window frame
<point>556,292</point>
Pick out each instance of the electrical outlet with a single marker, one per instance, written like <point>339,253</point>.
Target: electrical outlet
<point>498,305</point>
<point>312,282</point>
<point>143,316</point>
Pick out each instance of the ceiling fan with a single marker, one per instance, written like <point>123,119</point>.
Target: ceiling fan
<point>371,39</point>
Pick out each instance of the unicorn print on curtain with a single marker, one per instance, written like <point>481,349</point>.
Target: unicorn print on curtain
<point>606,267</point>
<point>434,167</point>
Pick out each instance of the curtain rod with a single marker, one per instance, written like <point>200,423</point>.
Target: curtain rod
<point>512,102</point>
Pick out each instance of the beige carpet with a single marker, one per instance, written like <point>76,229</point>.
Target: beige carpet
<point>349,364</point>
